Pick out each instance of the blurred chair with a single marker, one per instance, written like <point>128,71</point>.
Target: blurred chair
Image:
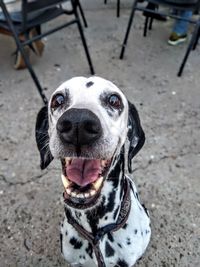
<point>151,13</point>
<point>26,27</point>
<point>118,7</point>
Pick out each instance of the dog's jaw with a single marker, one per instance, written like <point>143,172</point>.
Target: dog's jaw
<point>84,179</point>
<point>105,210</point>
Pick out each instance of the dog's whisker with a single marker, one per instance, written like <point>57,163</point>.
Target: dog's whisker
<point>45,145</point>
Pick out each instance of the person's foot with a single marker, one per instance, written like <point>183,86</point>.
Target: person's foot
<point>176,39</point>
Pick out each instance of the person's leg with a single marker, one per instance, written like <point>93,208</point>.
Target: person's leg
<point>179,32</point>
<point>181,26</point>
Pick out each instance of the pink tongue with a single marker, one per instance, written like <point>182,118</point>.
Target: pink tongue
<point>83,172</point>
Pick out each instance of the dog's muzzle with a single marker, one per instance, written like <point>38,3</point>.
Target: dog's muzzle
<point>80,129</point>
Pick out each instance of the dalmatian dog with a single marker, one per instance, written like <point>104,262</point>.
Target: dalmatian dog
<point>95,132</point>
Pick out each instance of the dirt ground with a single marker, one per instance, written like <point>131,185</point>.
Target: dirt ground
<point>167,170</point>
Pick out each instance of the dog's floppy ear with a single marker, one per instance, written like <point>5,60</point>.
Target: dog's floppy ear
<point>136,134</point>
<point>42,137</point>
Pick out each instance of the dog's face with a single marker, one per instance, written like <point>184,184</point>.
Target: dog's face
<point>86,126</point>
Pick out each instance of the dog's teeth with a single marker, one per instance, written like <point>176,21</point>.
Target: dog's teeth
<point>86,195</point>
<point>92,192</point>
<point>98,183</point>
<point>73,194</point>
<point>67,160</point>
<point>80,195</point>
<point>65,181</point>
<point>69,190</point>
<point>103,163</point>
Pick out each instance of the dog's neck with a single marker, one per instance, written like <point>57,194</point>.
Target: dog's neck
<point>106,211</point>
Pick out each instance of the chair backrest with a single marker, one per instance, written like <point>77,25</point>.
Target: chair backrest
<point>31,9</point>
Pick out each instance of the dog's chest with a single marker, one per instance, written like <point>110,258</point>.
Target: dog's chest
<point>119,248</point>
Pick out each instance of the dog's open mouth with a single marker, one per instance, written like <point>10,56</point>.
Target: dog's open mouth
<point>83,179</point>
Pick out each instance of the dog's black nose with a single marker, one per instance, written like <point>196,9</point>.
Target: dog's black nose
<point>79,127</point>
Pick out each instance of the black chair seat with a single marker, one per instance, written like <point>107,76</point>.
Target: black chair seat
<point>34,20</point>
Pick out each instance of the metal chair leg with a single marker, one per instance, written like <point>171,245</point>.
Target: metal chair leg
<point>128,29</point>
<point>197,39</point>
<point>189,48</point>
<point>82,14</point>
<point>83,39</point>
<point>146,26</point>
<point>118,8</point>
<point>150,23</point>
<point>21,49</point>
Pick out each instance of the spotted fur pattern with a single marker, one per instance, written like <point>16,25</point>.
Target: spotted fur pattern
<point>122,138</point>
<point>121,248</point>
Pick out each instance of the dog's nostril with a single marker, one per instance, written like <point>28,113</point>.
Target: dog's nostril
<point>64,127</point>
<point>79,127</point>
<point>91,127</point>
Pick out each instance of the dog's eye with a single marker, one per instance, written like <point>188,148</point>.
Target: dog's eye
<point>115,101</point>
<point>57,101</point>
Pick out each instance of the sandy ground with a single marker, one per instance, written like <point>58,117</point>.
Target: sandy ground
<point>167,171</point>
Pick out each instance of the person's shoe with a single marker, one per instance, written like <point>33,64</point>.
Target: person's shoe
<point>176,39</point>
<point>19,62</point>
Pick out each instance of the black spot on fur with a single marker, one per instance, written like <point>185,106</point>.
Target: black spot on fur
<point>61,238</point>
<point>139,259</point>
<point>109,250</point>
<point>128,241</point>
<point>111,202</point>
<point>66,233</point>
<point>75,243</point>
<point>125,226</point>
<point>89,84</point>
<point>145,210</point>
<point>110,237</point>
<point>142,233</point>
<point>147,231</point>
<point>89,250</point>
<point>136,194</point>
<point>131,186</point>
<point>106,218</point>
<point>82,257</point>
<point>115,182</point>
<point>122,263</point>
<point>135,231</point>
<point>119,245</point>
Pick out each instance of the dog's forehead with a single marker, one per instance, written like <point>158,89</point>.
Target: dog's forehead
<point>88,88</point>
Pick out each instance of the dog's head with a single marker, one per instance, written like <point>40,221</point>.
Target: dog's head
<point>86,125</point>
